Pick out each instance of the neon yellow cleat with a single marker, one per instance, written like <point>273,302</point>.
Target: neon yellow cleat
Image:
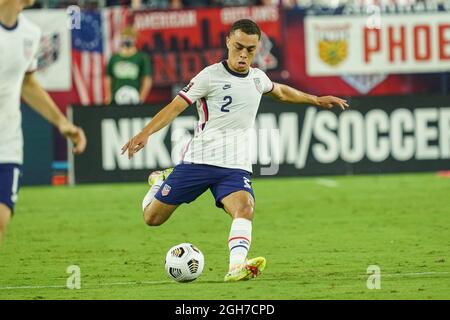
<point>250,269</point>
<point>158,175</point>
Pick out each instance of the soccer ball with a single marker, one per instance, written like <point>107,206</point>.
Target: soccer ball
<point>184,262</point>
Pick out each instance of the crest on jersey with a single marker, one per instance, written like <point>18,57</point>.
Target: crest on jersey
<point>188,87</point>
<point>27,48</point>
<point>258,85</point>
<point>165,191</point>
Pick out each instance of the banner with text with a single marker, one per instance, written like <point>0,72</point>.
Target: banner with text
<point>182,42</point>
<point>377,135</point>
<point>403,43</point>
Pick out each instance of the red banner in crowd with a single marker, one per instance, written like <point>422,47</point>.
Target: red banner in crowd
<point>183,42</point>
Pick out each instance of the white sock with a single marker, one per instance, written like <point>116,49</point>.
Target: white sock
<point>239,241</point>
<point>151,194</point>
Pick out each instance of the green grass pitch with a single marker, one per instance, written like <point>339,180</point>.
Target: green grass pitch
<point>319,235</point>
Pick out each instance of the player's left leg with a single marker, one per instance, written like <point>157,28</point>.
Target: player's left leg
<point>155,180</point>
<point>234,193</point>
<point>5,217</point>
<point>240,206</point>
<point>9,187</point>
<point>172,187</point>
<point>155,211</point>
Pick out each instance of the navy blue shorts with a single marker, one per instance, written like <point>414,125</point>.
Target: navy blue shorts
<point>188,181</point>
<point>10,175</point>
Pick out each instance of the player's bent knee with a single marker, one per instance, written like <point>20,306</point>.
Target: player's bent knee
<point>152,219</point>
<point>245,211</point>
<point>157,213</point>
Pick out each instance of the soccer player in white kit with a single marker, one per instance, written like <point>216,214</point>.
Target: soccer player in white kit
<point>227,96</point>
<point>19,41</point>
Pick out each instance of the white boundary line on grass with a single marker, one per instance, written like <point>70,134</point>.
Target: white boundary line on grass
<point>327,183</point>
<point>111,284</point>
<point>30,287</point>
<point>414,274</point>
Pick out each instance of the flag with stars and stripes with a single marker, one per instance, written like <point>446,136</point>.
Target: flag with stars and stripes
<point>92,45</point>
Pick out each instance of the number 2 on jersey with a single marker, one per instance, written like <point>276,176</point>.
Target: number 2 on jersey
<point>228,101</point>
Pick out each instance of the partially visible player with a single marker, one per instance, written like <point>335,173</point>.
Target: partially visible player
<point>227,96</point>
<point>19,40</point>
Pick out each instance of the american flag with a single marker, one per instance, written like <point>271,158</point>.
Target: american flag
<point>92,45</point>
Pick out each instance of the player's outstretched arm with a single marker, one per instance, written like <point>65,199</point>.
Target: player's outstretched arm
<point>38,99</point>
<point>162,119</point>
<point>285,93</point>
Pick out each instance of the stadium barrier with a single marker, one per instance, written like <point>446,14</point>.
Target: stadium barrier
<point>376,135</point>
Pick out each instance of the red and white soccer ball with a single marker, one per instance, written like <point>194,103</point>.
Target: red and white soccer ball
<point>184,262</point>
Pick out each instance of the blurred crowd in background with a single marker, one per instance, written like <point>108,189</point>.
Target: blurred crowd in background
<point>179,4</point>
<point>409,61</point>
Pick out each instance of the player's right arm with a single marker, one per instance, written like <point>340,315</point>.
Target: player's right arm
<point>162,119</point>
<point>39,100</point>
<point>198,87</point>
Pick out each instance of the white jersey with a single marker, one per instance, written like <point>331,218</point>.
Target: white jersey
<point>227,103</point>
<point>18,50</point>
